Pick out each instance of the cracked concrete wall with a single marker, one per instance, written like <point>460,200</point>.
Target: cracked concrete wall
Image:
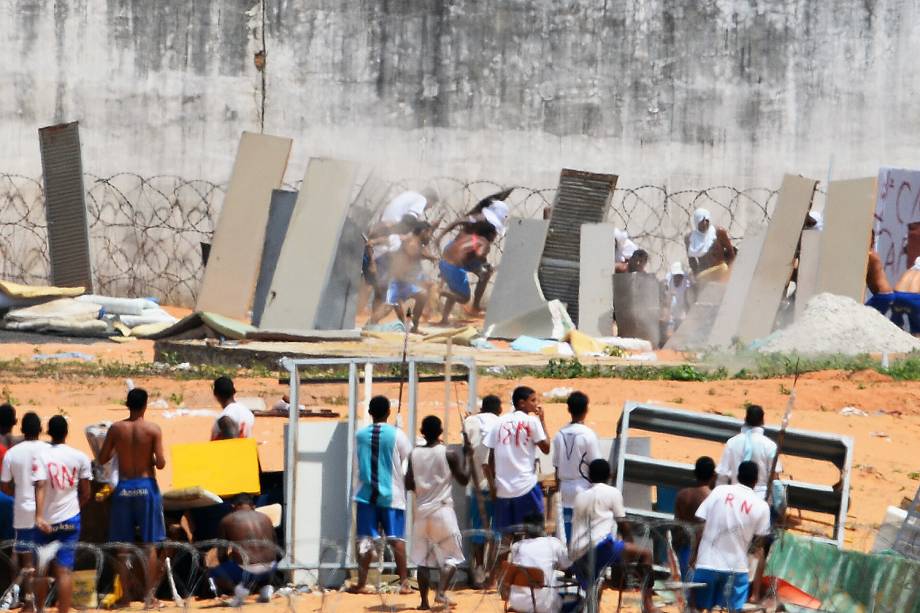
<point>687,93</point>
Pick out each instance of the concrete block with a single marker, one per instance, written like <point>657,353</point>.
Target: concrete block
<point>550,320</point>
<point>595,289</point>
<point>233,264</point>
<point>307,256</point>
<point>279,216</point>
<point>725,327</point>
<point>637,306</point>
<point>65,206</point>
<point>848,219</point>
<point>699,324</point>
<point>516,290</point>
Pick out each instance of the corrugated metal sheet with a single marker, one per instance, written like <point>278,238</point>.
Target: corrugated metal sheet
<point>65,206</point>
<point>582,197</point>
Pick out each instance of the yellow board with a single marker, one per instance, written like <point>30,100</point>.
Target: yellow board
<point>222,467</point>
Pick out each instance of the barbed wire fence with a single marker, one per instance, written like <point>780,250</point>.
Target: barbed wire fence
<point>146,232</point>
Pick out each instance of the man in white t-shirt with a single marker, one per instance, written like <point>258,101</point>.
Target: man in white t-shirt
<point>477,427</point>
<point>574,448</point>
<point>58,498</point>
<point>240,414</point>
<point>513,443</point>
<point>381,450</point>
<point>22,467</point>
<point>546,553</point>
<point>735,516</point>
<point>597,515</point>
<point>749,446</point>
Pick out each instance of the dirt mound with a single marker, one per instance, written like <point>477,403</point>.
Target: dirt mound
<point>835,324</point>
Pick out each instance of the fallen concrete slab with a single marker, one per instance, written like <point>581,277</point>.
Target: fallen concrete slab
<point>304,335</point>
<point>550,320</point>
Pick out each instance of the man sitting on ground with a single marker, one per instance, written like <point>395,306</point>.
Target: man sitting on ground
<point>58,499</point>
<point>549,555</point>
<point>242,416</point>
<point>599,512</point>
<point>436,539</point>
<point>687,502</point>
<point>735,516</point>
<point>249,564</point>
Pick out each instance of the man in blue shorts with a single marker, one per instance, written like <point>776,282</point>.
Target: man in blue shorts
<point>380,492</point>
<point>137,507</point>
<point>597,515</point>
<point>467,253</point>
<point>59,495</point>
<point>22,467</point>
<point>513,442</point>
<point>736,516</point>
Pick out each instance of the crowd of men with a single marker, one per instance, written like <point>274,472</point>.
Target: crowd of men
<point>498,466</point>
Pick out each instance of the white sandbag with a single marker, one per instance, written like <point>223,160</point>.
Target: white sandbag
<point>61,309</point>
<point>121,306</point>
<point>150,316</point>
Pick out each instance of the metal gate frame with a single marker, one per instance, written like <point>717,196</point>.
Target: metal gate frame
<point>292,365</point>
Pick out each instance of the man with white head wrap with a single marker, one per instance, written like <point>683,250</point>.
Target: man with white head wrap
<point>707,245</point>
<point>623,250</point>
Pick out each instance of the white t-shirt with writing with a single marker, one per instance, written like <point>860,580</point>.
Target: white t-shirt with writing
<point>574,448</point>
<point>548,554</point>
<point>241,415</point>
<point>762,450</point>
<point>23,465</point>
<point>594,517</point>
<point>64,467</point>
<point>514,439</point>
<point>734,515</point>
<point>477,427</point>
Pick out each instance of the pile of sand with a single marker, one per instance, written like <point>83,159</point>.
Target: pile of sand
<point>836,324</point>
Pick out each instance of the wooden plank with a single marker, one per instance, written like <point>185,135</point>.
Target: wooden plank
<point>236,253</point>
<point>725,327</point>
<point>809,257</point>
<point>309,249</point>
<point>774,267</point>
<point>848,219</point>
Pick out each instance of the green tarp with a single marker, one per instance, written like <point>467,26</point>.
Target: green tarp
<point>847,581</point>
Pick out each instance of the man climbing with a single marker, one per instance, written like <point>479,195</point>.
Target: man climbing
<point>465,254</point>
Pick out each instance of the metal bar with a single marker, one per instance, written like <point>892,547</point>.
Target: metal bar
<point>290,473</point>
<point>349,459</point>
<point>383,379</point>
<point>368,391</point>
<point>472,384</point>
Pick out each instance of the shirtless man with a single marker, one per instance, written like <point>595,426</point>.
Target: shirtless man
<point>687,502</point>
<point>466,253</point>
<point>707,245</point>
<point>240,573</point>
<point>136,501</point>
<point>877,282</point>
<point>406,277</point>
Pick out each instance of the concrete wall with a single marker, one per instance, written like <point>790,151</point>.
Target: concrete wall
<point>688,93</point>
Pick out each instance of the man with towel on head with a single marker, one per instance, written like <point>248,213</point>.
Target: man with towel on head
<point>624,248</point>
<point>708,246</point>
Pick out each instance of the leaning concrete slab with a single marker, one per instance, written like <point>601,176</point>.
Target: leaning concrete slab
<point>774,267</point>
<point>279,216</point>
<point>65,206</point>
<point>233,265</point>
<point>339,299</point>
<point>516,290</point>
<point>848,219</point>
<point>582,197</point>
<point>636,305</point>
<point>807,277</point>
<point>307,256</point>
<point>725,326</point>
<point>550,320</point>
<point>595,279</point>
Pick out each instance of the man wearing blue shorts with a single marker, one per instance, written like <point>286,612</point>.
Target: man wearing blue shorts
<point>380,491</point>
<point>467,253</point>
<point>597,515</point>
<point>513,442</point>
<point>58,497</point>
<point>736,516</point>
<point>22,467</point>
<point>137,507</point>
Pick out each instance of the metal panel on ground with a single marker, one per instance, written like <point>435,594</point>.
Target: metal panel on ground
<point>774,267</point>
<point>516,290</point>
<point>848,219</point>
<point>233,265</point>
<point>582,197</point>
<point>309,250</point>
<point>725,326</point>
<point>65,206</point>
<point>595,287</point>
<point>279,216</point>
